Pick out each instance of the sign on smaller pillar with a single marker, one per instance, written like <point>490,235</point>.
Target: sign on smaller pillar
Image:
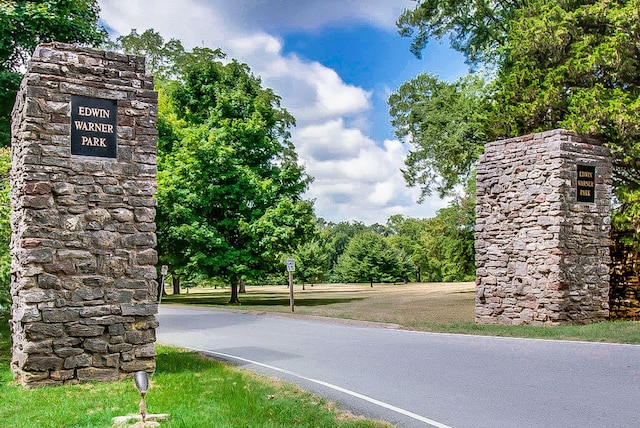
<point>586,189</point>
<point>93,127</point>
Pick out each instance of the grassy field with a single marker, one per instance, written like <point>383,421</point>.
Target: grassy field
<point>195,391</point>
<point>437,307</point>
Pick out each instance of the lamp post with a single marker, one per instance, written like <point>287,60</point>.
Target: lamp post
<point>142,384</point>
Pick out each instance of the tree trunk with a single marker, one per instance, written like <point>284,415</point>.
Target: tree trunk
<point>175,280</point>
<point>234,293</point>
<point>242,287</point>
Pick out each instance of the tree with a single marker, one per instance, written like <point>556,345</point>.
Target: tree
<point>576,65</point>
<point>165,60</point>
<point>25,24</point>
<point>406,234</point>
<point>477,28</point>
<point>337,236</point>
<point>312,261</point>
<point>448,243</point>
<point>569,63</point>
<point>369,257</point>
<point>446,125</point>
<point>228,193</point>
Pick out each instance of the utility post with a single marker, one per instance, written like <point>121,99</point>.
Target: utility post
<point>163,274</point>
<point>291,266</point>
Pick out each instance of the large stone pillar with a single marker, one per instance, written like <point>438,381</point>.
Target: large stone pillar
<point>542,230</point>
<point>83,252</point>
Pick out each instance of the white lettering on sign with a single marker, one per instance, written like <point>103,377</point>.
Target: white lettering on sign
<point>94,141</point>
<point>95,112</point>
<point>107,128</point>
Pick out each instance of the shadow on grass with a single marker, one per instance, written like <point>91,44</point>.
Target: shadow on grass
<point>245,300</point>
<point>174,360</point>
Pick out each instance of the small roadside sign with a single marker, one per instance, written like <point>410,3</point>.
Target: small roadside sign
<point>291,265</point>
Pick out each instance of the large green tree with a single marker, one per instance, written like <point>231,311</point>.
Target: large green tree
<point>229,191</point>
<point>369,257</point>
<point>567,63</point>
<point>447,126</point>
<point>24,25</point>
<point>576,65</point>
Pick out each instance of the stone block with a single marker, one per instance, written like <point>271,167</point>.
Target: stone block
<point>39,330</point>
<point>147,365</point>
<point>75,361</point>
<point>141,309</point>
<point>96,345</point>
<point>82,330</point>
<point>40,363</point>
<point>60,315</point>
<point>91,374</point>
<point>140,337</point>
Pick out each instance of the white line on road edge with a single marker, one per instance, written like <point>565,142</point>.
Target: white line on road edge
<point>335,387</point>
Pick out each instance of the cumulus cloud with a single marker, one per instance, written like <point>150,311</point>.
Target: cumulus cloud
<point>356,178</point>
<point>311,91</point>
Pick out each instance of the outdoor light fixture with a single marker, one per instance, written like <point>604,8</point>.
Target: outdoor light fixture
<point>141,379</point>
<point>142,384</point>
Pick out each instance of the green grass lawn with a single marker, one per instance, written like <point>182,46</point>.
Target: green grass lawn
<point>436,307</point>
<point>195,391</point>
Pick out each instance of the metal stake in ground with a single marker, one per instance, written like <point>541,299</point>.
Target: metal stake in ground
<point>291,266</point>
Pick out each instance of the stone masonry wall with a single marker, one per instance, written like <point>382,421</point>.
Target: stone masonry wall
<point>542,257</point>
<point>83,246</point>
<point>624,296</point>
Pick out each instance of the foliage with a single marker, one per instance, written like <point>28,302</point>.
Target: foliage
<point>168,60</point>
<point>477,28</point>
<point>337,236</point>
<point>575,64</point>
<point>448,242</point>
<point>228,190</point>
<point>312,262</point>
<point>446,124</point>
<point>5,231</point>
<point>369,257</point>
<point>25,24</point>
<point>570,64</point>
<point>406,234</point>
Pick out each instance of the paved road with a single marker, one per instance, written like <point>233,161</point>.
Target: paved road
<point>416,379</point>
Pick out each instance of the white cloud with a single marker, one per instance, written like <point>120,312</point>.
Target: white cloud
<point>310,90</point>
<point>355,177</point>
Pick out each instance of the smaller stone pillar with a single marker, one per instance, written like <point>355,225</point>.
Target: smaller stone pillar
<point>543,218</point>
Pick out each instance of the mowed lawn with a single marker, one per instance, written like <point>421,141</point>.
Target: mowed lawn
<point>415,305</point>
<point>436,307</point>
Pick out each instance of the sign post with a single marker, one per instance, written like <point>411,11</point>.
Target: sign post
<point>163,274</point>
<point>291,266</point>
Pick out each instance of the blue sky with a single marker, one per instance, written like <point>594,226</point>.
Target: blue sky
<point>334,63</point>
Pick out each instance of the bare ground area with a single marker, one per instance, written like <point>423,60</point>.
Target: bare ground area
<point>411,305</point>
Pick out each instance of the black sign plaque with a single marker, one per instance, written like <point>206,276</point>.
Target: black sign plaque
<point>94,127</point>
<point>586,190</point>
